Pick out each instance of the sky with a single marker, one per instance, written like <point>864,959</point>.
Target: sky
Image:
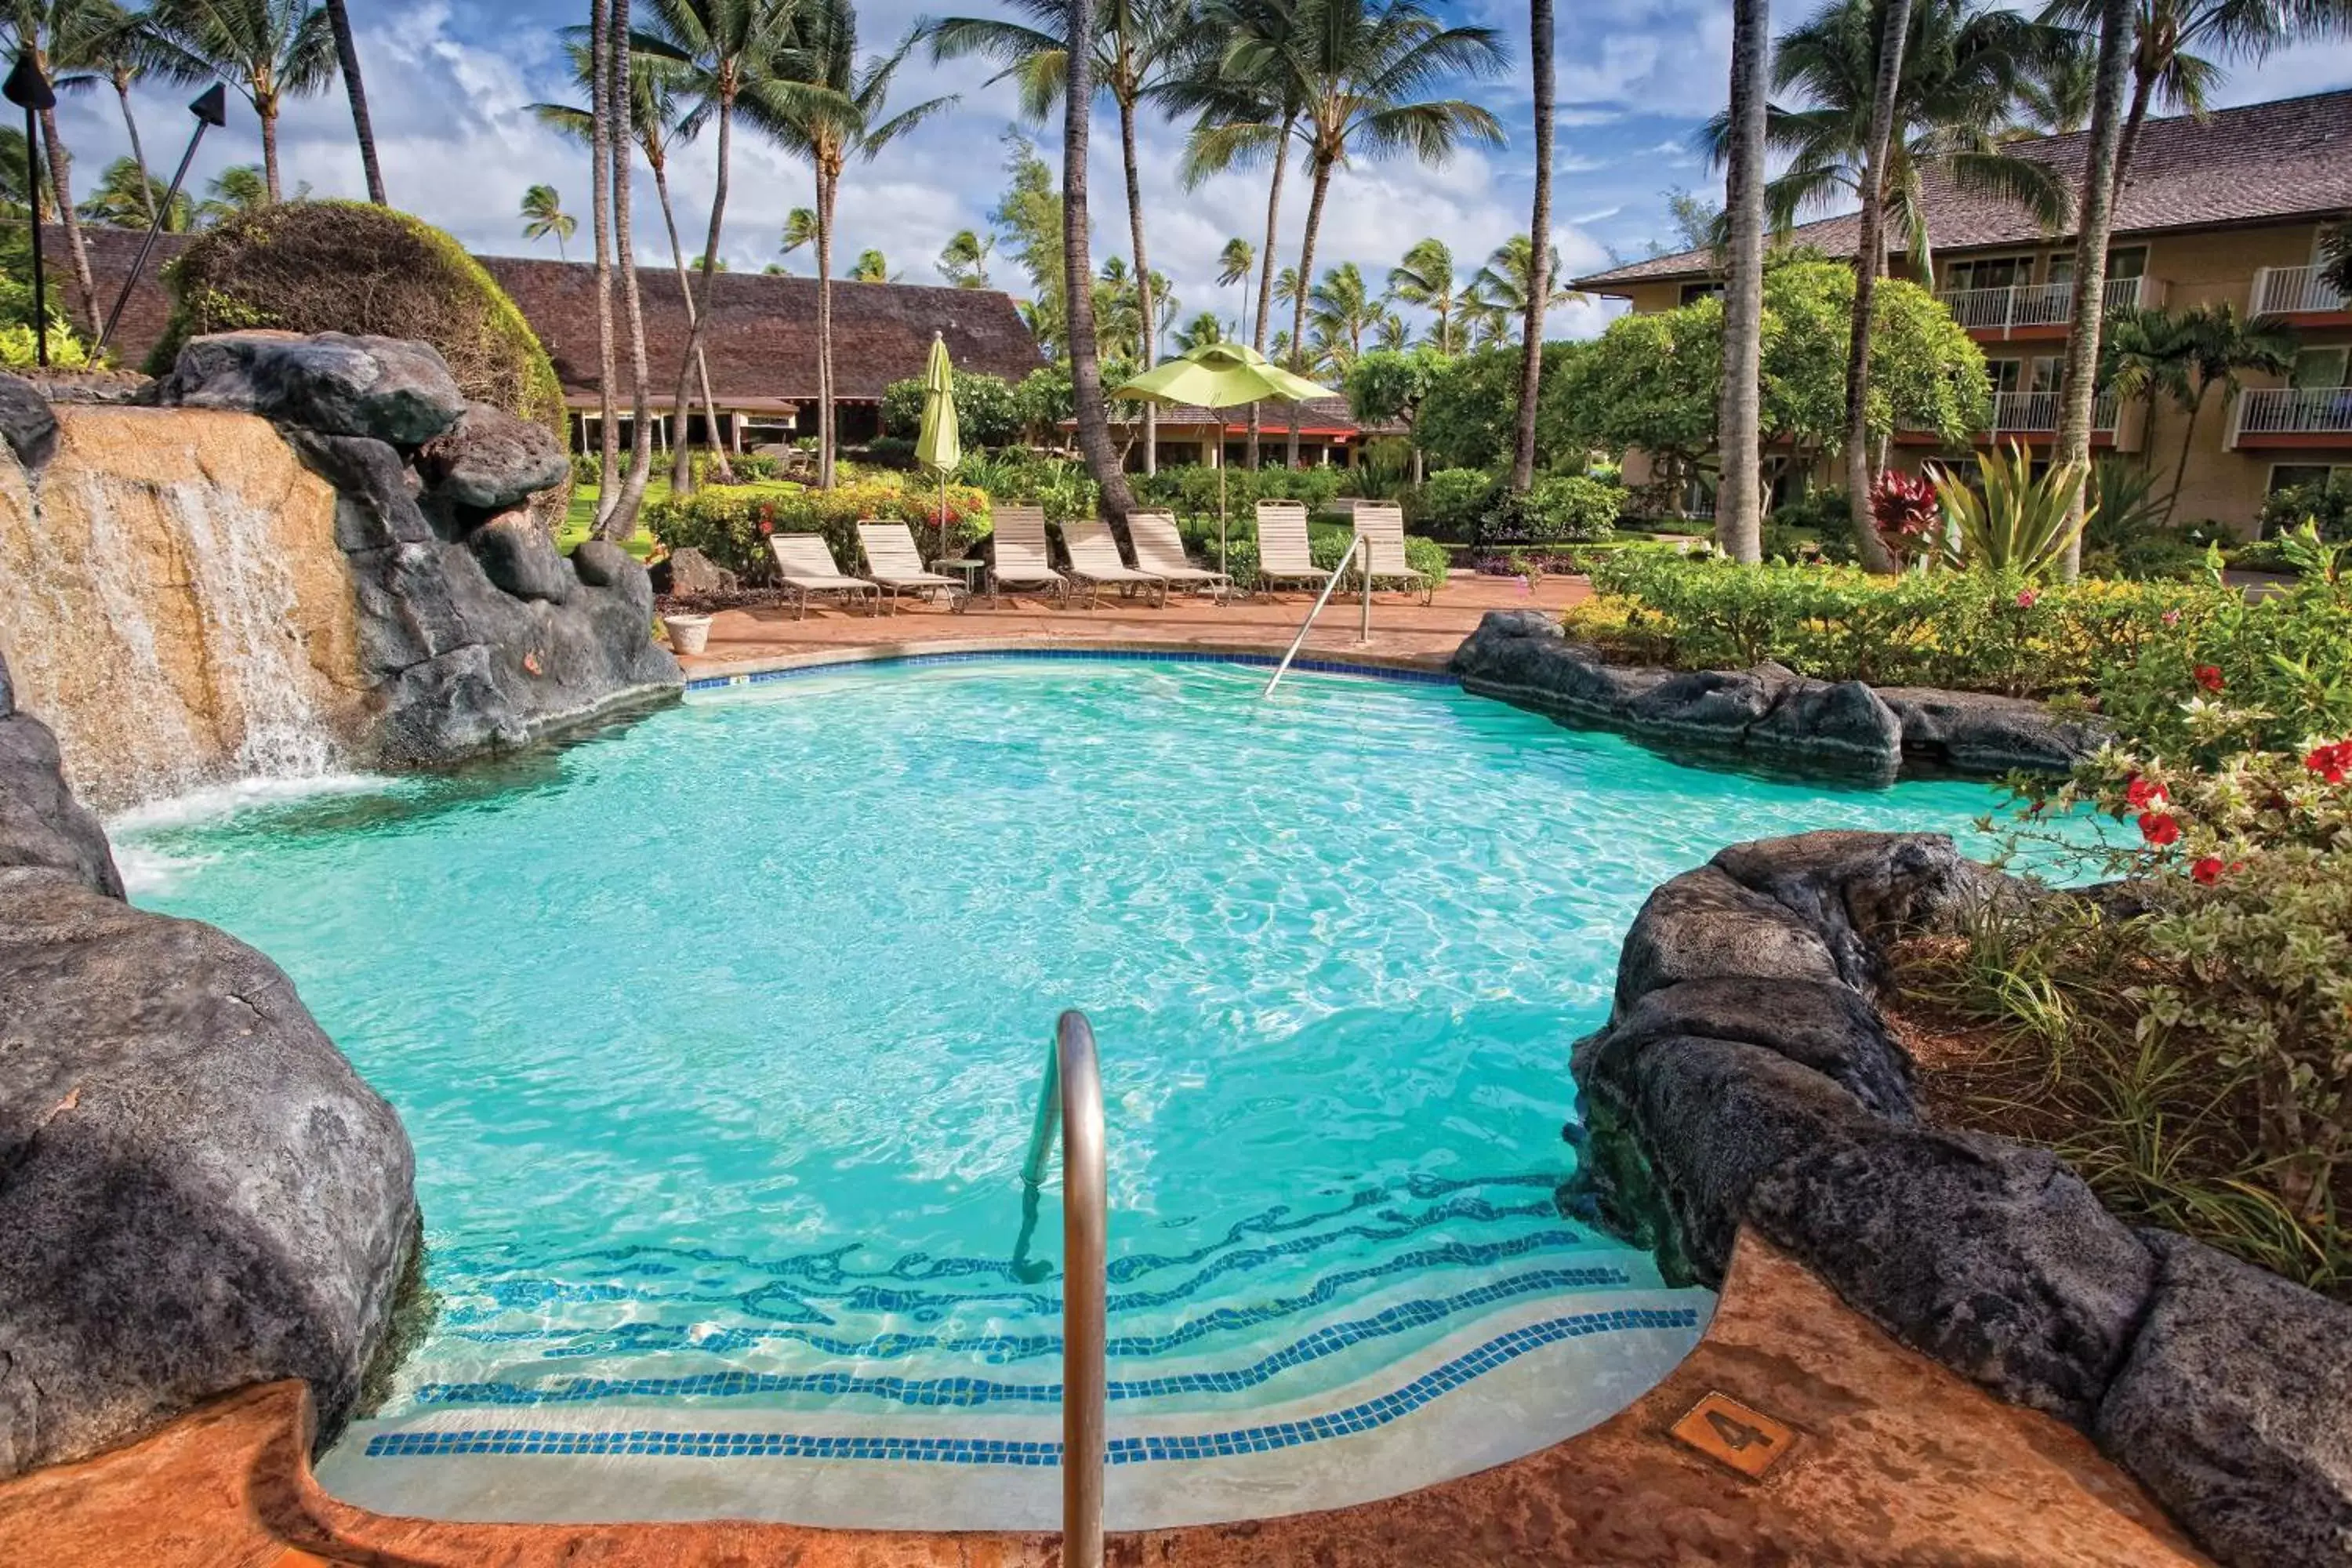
<point>449,83</point>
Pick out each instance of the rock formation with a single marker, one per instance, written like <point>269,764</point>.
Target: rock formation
<point>197,1191</point>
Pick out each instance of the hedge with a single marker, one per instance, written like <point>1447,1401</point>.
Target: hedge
<point>730,524</point>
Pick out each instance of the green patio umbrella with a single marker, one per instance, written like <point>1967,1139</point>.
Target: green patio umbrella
<point>1220,376</point>
<point>938,446</point>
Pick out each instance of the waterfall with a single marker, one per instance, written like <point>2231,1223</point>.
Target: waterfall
<point>172,602</point>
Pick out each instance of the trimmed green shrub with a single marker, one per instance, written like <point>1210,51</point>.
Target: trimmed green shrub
<point>1450,502</point>
<point>1191,488</point>
<point>988,410</point>
<point>1567,507</point>
<point>1063,487</point>
<point>730,524</point>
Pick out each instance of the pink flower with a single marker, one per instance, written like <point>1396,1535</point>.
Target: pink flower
<point>2171,617</point>
<point>2159,828</point>
<point>2025,598</point>
<point>2209,676</point>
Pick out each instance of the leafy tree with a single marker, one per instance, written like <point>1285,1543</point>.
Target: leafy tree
<point>239,188</point>
<point>1425,280</point>
<point>1467,418</point>
<point>543,214</point>
<point>871,266</point>
<point>1344,310</point>
<point>963,260</point>
<point>2185,353</point>
<point>1697,222</point>
<point>1043,402</point>
<point>268,50</point>
<point>1389,385</point>
<point>988,408</point>
<point>1028,225</point>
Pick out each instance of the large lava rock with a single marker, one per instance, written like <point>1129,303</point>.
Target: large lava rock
<point>392,389</point>
<point>490,460</point>
<point>27,423</point>
<point>197,1191</point>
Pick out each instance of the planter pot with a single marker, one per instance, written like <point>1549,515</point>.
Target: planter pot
<point>688,634</point>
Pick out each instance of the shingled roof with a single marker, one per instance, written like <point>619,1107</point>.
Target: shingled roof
<point>760,342</point>
<point>2267,163</point>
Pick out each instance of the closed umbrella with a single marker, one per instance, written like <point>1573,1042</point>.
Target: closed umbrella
<point>1220,376</point>
<point>938,446</point>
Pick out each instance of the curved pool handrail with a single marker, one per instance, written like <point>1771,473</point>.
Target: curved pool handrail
<point>1359,545</point>
<point>1072,1097</point>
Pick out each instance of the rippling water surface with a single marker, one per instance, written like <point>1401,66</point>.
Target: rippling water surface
<point>719,1036</point>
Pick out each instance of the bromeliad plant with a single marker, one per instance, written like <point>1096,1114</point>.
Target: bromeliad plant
<point>2011,522</point>
<point>1903,510</point>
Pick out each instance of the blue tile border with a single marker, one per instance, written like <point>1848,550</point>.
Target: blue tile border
<point>1363,1416</point>
<point>1083,656</point>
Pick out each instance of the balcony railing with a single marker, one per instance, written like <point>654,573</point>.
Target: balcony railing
<point>2292,411</point>
<point>2283,291</point>
<point>2036,413</point>
<point>2029,305</point>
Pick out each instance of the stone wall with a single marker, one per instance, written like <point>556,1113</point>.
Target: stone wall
<point>1745,1079</point>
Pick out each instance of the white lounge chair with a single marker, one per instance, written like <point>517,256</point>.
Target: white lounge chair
<point>808,567</point>
<point>1094,561</point>
<point>1021,558</point>
<point>1284,556</point>
<point>896,567</point>
<point>1383,527</point>
<point>1159,550</point>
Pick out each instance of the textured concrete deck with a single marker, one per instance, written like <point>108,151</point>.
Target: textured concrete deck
<point>1896,1461</point>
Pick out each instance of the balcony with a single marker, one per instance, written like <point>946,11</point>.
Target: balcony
<point>2030,414</point>
<point>2297,292</point>
<point>2293,416</point>
<point>2039,309</point>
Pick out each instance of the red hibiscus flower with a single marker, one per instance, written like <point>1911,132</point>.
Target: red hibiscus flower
<point>2142,794</point>
<point>2159,828</point>
<point>2207,871</point>
<point>2025,598</point>
<point>2332,764</point>
<point>766,527</point>
<point>2209,676</point>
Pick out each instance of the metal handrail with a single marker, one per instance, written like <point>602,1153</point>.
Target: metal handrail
<point>1072,1097</point>
<point>1358,544</point>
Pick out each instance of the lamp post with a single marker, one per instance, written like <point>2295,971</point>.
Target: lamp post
<point>211,109</point>
<point>28,87</point>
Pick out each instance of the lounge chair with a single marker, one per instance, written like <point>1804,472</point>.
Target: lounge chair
<point>896,566</point>
<point>1094,561</point>
<point>807,567</point>
<point>1382,527</point>
<point>1284,557</point>
<point>1022,556</point>
<point>1159,550</point>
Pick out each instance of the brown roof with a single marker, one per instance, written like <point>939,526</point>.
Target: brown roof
<point>2267,163</point>
<point>761,341</point>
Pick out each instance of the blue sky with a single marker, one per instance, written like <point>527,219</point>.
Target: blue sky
<point>449,80</point>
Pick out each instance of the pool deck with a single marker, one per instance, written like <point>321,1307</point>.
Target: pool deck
<point>1404,630</point>
<point>1895,1459</point>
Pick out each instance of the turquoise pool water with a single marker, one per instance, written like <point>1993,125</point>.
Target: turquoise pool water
<point>718,1035</point>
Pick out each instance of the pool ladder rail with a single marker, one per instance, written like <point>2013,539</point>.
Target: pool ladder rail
<point>1071,1098</point>
<point>1360,550</point>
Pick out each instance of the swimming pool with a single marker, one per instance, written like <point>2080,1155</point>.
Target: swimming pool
<point>718,1036</point>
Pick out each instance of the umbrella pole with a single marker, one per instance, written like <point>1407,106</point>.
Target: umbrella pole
<point>944,514</point>
<point>1221,502</point>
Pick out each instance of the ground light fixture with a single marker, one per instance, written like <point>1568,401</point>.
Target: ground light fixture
<point>27,87</point>
<point>211,109</point>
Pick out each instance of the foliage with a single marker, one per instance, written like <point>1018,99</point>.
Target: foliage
<point>2009,520</point>
<point>2125,507</point>
<point>1027,222</point>
<point>1569,508</point>
<point>1903,509</point>
<point>1451,502</point>
<point>1817,526</point>
<point>1471,408</point>
<point>351,267</point>
<point>1326,545</point>
<point>1389,385</point>
<point>1044,398</point>
<point>1064,489</point>
<point>2327,507</point>
<point>1191,488</point>
<point>730,524</point>
<point>988,409</point>
<point>18,350</point>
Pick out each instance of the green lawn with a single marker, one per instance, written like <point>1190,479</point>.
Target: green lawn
<point>580,520</point>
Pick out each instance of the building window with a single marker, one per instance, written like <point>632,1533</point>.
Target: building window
<point>1988,272</point>
<point>2321,370</point>
<point>2292,476</point>
<point>2127,263</point>
<point>1694,292</point>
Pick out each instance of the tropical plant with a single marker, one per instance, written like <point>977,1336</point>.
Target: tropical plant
<point>1425,280</point>
<point>2186,353</point>
<point>1388,386</point>
<point>121,47</point>
<point>2127,510</point>
<point>1343,310</point>
<point>2336,256</point>
<point>1027,222</point>
<point>871,266</point>
<point>1903,508</point>
<point>988,409</point>
<point>543,214</point>
<point>127,197</point>
<point>2009,520</point>
<point>239,188</point>
<point>48,32</point>
<point>1086,402</point>
<point>1234,265</point>
<point>1870,251</point>
<point>2077,390</point>
<point>270,50</point>
<point>800,230</point>
<point>1739,396</point>
<point>2054,99</point>
<point>347,53</point>
<point>1200,333</point>
<point>963,260</point>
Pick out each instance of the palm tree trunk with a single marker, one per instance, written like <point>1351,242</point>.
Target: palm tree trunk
<point>2077,394</point>
<point>825,190</point>
<point>1266,271</point>
<point>1299,306</point>
<point>347,53</point>
<point>681,468</point>
<point>621,522</point>
<point>268,118</point>
<point>1523,446</point>
<point>600,153</point>
<point>1143,274</point>
<point>138,153</point>
<point>1739,495</point>
<point>660,166</point>
<point>1078,270</point>
<point>1869,257</point>
<point>61,182</point>
<point>2143,89</point>
<point>2187,441</point>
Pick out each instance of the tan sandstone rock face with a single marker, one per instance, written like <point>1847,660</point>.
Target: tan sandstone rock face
<point>176,607</point>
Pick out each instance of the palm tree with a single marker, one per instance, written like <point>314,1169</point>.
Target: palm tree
<point>1523,444</point>
<point>842,115</point>
<point>1234,263</point>
<point>1141,48</point>
<point>800,230</point>
<point>49,31</point>
<point>605,46</point>
<point>1200,333</point>
<point>963,260</point>
<point>128,197</point>
<point>2077,390</point>
<point>1357,71</point>
<point>1394,333</point>
<point>1087,403</point>
<point>1425,280</point>
<point>1343,312</point>
<point>239,188</point>
<point>1738,492</point>
<point>2055,98</point>
<point>120,45</point>
<point>1507,280</point>
<point>543,214</point>
<point>13,194</point>
<point>2185,354</point>
<point>620,94</point>
<point>270,50</point>
<point>347,51</point>
<point>871,266</point>
<point>1870,255</point>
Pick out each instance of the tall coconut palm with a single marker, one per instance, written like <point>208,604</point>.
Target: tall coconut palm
<point>1234,263</point>
<point>1425,280</point>
<point>963,260</point>
<point>347,52</point>
<point>660,122</point>
<point>128,198</point>
<point>800,230</point>
<point>1358,71</point>
<point>1893,26</point>
<point>1141,48</point>
<point>1200,333</point>
<point>620,104</point>
<point>1739,491</point>
<point>120,45</point>
<point>2185,355</point>
<point>270,50</point>
<point>843,114</point>
<point>1393,334</point>
<point>2077,388</point>
<point>543,215</point>
<point>604,45</point>
<point>1523,444</point>
<point>1087,403</point>
<point>1343,309</point>
<point>51,31</point>
<point>1507,280</point>
<point>2055,98</point>
<point>239,188</point>
<point>871,266</point>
